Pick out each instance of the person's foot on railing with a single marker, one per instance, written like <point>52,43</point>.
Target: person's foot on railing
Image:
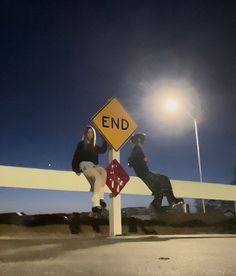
<point>97,210</point>
<point>177,204</point>
<point>103,204</point>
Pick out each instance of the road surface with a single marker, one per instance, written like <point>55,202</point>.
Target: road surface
<point>151,255</point>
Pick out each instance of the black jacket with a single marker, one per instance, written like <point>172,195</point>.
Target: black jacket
<point>87,152</point>
<point>137,161</point>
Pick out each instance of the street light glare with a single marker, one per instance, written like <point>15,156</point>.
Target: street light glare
<point>171,105</point>
<point>168,100</point>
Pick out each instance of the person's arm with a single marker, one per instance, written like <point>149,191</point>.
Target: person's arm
<point>103,148</point>
<point>130,164</point>
<point>76,158</point>
<point>136,155</point>
<point>131,159</point>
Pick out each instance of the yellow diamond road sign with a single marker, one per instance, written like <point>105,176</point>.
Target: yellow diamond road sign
<point>114,123</point>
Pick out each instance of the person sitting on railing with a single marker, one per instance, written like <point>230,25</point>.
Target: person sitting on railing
<point>85,160</point>
<point>159,184</point>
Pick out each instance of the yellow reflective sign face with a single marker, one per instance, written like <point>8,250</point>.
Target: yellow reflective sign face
<point>115,123</point>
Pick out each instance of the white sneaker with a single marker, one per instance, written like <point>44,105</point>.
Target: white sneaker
<point>177,204</point>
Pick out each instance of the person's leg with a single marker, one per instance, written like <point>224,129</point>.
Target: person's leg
<point>168,191</point>
<point>103,175</point>
<point>93,174</point>
<point>157,201</point>
<point>152,181</point>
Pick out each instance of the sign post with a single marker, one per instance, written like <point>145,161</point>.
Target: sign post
<point>116,125</point>
<point>115,225</point>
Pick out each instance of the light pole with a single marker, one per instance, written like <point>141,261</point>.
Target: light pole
<point>172,105</point>
<point>199,159</point>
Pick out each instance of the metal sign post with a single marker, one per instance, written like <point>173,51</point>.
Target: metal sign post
<point>114,202</point>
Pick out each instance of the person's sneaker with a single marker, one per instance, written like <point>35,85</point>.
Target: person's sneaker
<point>180,203</point>
<point>173,205</point>
<point>103,203</point>
<point>177,204</point>
<point>97,210</point>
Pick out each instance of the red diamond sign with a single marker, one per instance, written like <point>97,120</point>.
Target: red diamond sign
<point>116,177</point>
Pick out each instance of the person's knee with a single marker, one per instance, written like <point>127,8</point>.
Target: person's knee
<point>103,173</point>
<point>96,175</point>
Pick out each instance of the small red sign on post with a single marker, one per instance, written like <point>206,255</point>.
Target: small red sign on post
<point>116,177</point>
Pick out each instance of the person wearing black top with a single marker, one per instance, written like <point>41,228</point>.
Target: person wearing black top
<point>85,160</point>
<point>159,184</point>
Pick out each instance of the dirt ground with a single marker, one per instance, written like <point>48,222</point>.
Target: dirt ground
<point>164,224</point>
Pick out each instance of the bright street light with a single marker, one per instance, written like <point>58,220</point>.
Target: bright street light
<point>171,105</point>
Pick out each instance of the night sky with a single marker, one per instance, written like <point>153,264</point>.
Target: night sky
<point>60,61</point>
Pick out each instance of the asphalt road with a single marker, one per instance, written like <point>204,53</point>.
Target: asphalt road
<point>157,255</point>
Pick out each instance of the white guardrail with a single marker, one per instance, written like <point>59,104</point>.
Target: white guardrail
<point>30,178</point>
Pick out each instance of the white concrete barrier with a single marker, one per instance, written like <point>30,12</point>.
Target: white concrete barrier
<point>30,178</point>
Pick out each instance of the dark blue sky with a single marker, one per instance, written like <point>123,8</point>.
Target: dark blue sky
<point>60,61</point>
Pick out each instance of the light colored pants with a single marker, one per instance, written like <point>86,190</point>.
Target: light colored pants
<point>97,178</point>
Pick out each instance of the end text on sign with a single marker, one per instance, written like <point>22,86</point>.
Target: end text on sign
<point>119,123</point>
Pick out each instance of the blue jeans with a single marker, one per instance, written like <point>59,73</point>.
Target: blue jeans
<point>160,186</point>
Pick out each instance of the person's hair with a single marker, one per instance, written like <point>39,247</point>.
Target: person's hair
<point>86,133</point>
<point>84,138</point>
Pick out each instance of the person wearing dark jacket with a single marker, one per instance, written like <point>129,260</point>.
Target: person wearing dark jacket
<point>85,160</point>
<point>159,184</point>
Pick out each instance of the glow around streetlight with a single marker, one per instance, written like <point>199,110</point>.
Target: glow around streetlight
<point>165,104</point>
<point>171,104</point>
